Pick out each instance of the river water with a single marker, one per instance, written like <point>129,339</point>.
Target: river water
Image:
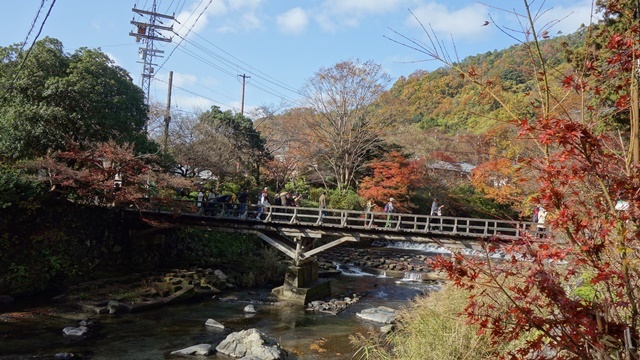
<point>32,331</point>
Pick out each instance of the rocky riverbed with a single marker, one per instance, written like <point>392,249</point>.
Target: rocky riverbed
<point>399,264</point>
<point>107,311</point>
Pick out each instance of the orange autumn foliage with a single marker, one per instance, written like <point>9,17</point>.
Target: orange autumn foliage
<point>393,176</point>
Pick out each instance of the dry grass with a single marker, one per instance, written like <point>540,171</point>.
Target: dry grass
<point>430,329</point>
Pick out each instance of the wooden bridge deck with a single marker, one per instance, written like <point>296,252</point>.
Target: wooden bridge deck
<point>310,221</point>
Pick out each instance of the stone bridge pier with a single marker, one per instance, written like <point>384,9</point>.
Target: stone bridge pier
<point>301,281</point>
<point>302,285</point>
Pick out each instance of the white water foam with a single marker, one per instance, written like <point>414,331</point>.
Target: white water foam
<point>432,248</point>
<point>412,276</point>
<point>408,245</point>
<point>351,270</point>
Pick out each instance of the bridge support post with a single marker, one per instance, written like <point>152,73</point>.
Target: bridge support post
<point>302,285</point>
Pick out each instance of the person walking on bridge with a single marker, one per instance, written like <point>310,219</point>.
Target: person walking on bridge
<point>199,203</point>
<point>322,204</point>
<point>436,210</point>
<point>242,199</point>
<point>368,216</point>
<point>389,209</point>
<point>263,202</point>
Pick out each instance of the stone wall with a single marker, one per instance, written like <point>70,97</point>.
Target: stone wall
<point>61,243</point>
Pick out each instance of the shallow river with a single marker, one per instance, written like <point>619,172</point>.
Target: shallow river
<point>35,332</point>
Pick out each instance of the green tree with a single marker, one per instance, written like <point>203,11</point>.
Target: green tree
<point>51,99</point>
<point>247,142</point>
<point>220,142</point>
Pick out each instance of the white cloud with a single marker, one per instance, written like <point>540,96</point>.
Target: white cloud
<point>197,18</point>
<point>293,21</point>
<point>463,23</point>
<point>184,80</point>
<point>361,7</point>
<point>245,4</point>
<point>250,21</point>
<point>230,16</point>
<point>334,14</point>
<point>192,102</point>
<point>209,81</point>
<point>567,19</point>
<point>115,59</point>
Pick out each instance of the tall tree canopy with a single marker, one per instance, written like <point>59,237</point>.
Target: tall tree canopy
<point>51,98</point>
<point>344,122</point>
<point>221,142</point>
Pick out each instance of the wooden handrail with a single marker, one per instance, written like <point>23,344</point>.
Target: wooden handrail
<point>353,219</point>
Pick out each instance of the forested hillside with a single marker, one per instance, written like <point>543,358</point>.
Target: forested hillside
<point>444,100</point>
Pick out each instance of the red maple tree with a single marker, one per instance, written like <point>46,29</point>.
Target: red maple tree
<point>393,176</point>
<point>108,174</point>
<point>573,294</point>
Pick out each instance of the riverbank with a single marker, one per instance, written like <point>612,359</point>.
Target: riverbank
<point>155,332</point>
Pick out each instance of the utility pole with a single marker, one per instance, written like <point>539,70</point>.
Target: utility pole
<point>146,33</point>
<point>244,79</point>
<point>167,114</point>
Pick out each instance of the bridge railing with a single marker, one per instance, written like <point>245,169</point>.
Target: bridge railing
<point>411,223</point>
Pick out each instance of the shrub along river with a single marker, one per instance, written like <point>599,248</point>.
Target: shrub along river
<point>33,330</point>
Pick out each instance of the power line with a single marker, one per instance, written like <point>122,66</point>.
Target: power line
<point>26,56</point>
<point>33,25</point>
<point>187,34</point>
<point>263,81</point>
<point>196,94</point>
<point>198,84</point>
<point>253,69</point>
<point>265,88</point>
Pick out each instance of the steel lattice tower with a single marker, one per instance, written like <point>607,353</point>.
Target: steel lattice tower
<point>146,34</point>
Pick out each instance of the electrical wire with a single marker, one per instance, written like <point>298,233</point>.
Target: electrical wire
<point>269,83</point>
<point>253,69</point>
<point>256,84</point>
<point>202,86</point>
<point>26,56</point>
<point>181,7</point>
<point>191,28</point>
<point>33,25</point>
<point>263,88</point>
<point>196,94</point>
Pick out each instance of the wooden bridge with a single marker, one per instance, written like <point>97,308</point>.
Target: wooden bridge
<point>297,231</point>
<point>286,227</point>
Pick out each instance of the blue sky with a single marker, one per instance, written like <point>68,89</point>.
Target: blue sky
<point>279,44</point>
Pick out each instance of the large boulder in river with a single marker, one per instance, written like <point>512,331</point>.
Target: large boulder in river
<point>201,349</point>
<point>252,343</point>
<point>380,314</point>
<point>75,331</point>
<point>214,324</point>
